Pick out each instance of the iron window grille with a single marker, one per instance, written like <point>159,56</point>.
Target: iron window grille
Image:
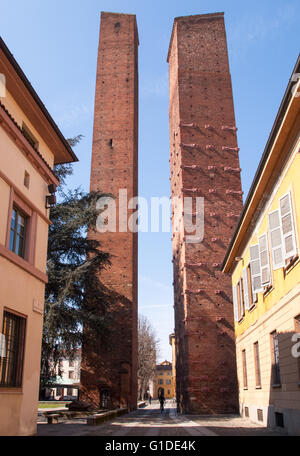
<point>11,366</point>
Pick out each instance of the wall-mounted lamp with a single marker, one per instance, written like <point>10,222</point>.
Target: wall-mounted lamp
<point>51,199</point>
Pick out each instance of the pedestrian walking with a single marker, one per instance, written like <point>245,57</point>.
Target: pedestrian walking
<point>161,401</point>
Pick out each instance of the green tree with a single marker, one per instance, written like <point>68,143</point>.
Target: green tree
<point>73,265</point>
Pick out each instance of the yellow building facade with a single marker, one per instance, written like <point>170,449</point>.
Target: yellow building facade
<point>30,145</point>
<point>172,343</point>
<point>263,259</point>
<point>164,382</point>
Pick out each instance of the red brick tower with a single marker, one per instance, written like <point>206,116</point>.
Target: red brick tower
<point>109,371</point>
<point>204,162</point>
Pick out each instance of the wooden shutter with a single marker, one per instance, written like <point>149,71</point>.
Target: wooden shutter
<point>241,299</point>
<point>255,269</point>
<point>264,259</point>
<point>246,289</point>
<point>235,303</point>
<point>287,225</point>
<point>276,240</point>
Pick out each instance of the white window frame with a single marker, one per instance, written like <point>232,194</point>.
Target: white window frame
<point>267,266</point>
<point>246,289</point>
<point>281,264</point>
<point>253,276</point>
<point>235,303</point>
<point>293,231</point>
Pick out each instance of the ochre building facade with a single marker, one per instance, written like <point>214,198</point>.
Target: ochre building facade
<point>30,145</point>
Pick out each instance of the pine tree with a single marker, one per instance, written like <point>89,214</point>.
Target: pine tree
<point>73,266</point>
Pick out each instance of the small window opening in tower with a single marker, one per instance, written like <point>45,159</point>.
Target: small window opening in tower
<point>110,143</point>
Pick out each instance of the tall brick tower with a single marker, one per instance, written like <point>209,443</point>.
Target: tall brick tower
<point>204,162</point>
<point>109,371</point>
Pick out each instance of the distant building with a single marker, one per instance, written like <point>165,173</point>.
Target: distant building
<point>67,384</point>
<point>263,258</point>
<point>164,382</point>
<point>30,145</point>
<point>172,343</point>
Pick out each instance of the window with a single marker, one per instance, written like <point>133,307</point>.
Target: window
<point>260,415</point>
<point>11,366</point>
<point>297,331</point>
<point>26,179</point>
<point>168,373</point>
<point>29,136</point>
<point>279,420</point>
<point>169,392</point>
<point>282,232</point>
<point>240,297</point>
<point>252,297</point>
<point>59,391</point>
<point>275,359</point>
<point>264,260</point>
<point>18,232</point>
<point>71,363</point>
<point>276,240</point>
<point>160,381</point>
<point>255,269</point>
<point>71,374</point>
<point>257,365</point>
<point>245,379</point>
<point>287,224</point>
<point>69,391</point>
<point>168,382</point>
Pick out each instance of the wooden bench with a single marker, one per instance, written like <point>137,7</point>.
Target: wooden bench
<point>53,418</point>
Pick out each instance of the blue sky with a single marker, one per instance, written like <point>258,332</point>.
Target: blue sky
<point>56,41</point>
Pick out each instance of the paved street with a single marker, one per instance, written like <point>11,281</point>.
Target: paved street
<point>149,421</point>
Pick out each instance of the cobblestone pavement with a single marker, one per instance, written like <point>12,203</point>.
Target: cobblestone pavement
<point>149,421</point>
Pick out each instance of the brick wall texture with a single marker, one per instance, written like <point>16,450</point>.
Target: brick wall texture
<point>113,366</point>
<point>202,133</point>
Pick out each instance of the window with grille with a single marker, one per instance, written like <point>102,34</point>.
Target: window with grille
<point>11,366</point>
<point>244,361</point>
<point>275,359</point>
<point>18,232</point>
<point>168,382</point>
<point>160,381</point>
<point>257,365</point>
